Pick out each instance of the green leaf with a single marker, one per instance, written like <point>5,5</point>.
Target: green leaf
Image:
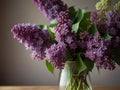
<point>116,53</point>
<point>80,15</point>
<point>72,13</point>
<point>117,59</point>
<point>43,27</point>
<point>93,29</point>
<point>69,57</point>
<point>107,36</point>
<point>53,23</point>
<point>50,66</point>
<point>52,35</point>
<point>75,27</point>
<point>80,64</point>
<point>89,64</point>
<point>85,23</point>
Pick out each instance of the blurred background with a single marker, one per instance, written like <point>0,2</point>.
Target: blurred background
<point>16,65</point>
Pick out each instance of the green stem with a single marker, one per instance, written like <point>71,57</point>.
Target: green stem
<point>78,82</point>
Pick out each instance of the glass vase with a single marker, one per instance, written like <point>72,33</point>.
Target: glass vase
<point>70,79</point>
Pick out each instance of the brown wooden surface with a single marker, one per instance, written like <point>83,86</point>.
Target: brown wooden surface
<point>49,88</point>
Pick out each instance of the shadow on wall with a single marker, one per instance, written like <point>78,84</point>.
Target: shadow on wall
<point>16,65</point>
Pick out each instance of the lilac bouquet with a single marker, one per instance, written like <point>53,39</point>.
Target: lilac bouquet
<point>89,38</point>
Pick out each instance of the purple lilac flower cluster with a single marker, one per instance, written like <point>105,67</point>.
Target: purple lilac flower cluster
<point>63,30</point>
<point>113,23</point>
<point>39,41</point>
<point>56,54</point>
<point>109,23</point>
<point>33,38</point>
<point>50,8</point>
<point>98,18</point>
<point>96,49</point>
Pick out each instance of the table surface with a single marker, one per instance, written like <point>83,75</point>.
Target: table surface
<point>49,88</point>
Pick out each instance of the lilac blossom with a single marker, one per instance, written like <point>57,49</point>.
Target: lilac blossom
<point>96,49</point>
<point>113,20</point>
<point>50,8</point>
<point>109,23</point>
<point>56,54</point>
<point>63,31</point>
<point>95,17</point>
<point>33,38</point>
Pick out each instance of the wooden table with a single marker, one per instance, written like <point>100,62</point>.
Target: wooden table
<point>49,88</point>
